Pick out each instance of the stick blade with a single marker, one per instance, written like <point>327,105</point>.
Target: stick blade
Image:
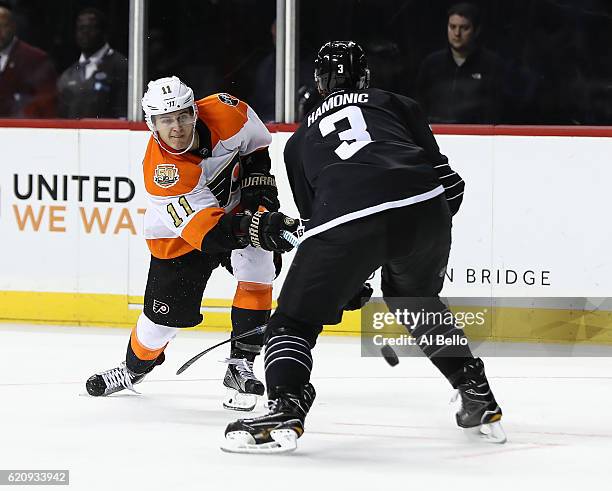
<point>190,362</point>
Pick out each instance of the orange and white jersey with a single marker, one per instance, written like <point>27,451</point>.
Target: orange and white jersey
<point>188,193</point>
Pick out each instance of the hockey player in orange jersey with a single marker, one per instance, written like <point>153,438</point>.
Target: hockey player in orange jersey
<point>211,201</point>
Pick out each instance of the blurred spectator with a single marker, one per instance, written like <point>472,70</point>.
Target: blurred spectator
<point>384,60</point>
<point>263,98</point>
<point>462,83</point>
<point>96,85</point>
<point>27,76</point>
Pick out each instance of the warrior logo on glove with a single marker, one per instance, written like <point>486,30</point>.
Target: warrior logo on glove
<point>265,230</point>
<point>259,189</point>
<point>258,180</point>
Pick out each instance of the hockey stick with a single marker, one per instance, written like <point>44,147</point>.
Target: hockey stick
<point>257,330</point>
<point>294,241</point>
<point>289,237</point>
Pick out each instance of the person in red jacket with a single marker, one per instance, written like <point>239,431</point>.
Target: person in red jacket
<point>27,75</point>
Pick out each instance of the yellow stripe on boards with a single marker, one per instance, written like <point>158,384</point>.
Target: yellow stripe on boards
<point>519,324</point>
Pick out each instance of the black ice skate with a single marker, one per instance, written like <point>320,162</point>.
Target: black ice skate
<point>479,414</point>
<point>242,385</point>
<point>116,379</point>
<point>275,432</point>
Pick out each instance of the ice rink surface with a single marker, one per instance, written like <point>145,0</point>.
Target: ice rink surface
<point>371,427</point>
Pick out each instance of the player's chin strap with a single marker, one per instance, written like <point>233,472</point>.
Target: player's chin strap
<point>187,148</point>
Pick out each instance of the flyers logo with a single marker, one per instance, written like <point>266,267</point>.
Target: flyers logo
<point>228,99</point>
<point>160,307</point>
<point>226,182</point>
<point>166,175</point>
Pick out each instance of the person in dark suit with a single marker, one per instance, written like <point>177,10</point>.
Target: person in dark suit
<point>27,75</point>
<point>96,85</point>
<point>463,82</point>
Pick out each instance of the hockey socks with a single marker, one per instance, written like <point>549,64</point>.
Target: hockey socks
<point>244,320</point>
<point>147,343</point>
<point>251,308</point>
<point>287,361</point>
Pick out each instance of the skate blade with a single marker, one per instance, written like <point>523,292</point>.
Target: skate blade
<point>238,401</point>
<point>87,394</point>
<point>489,433</point>
<point>285,441</point>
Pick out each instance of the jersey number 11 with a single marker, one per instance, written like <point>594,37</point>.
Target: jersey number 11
<point>173,213</point>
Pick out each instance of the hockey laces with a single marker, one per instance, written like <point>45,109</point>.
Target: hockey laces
<point>118,377</point>
<point>244,367</point>
<point>274,405</point>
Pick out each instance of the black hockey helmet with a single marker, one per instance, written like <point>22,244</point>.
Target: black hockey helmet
<point>341,65</point>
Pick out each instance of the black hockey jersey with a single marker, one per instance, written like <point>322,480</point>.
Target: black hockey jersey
<point>360,152</point>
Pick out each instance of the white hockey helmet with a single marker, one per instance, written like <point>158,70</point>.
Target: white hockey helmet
<point>166,95</point>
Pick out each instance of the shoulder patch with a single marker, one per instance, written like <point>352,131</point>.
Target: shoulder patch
<point>166,175</point>
<point>230,100</point>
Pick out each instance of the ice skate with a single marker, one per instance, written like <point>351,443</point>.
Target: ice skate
<point>242,385</point>
<point>116,379</point>
<point>479,414</point>
<point>275,432</point>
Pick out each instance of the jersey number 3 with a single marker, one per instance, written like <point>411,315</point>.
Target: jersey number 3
<point>357,133</point>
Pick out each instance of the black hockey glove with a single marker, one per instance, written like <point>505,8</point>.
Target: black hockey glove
<point>265,230</point>
<point>453,187</point>
<point>231,232</point>
<point>259,189</point>
<point>360,299</point>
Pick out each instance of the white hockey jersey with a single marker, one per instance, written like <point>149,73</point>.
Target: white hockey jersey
<point>188,194</point>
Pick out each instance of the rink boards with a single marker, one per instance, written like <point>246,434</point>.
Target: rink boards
<point>533,224</point>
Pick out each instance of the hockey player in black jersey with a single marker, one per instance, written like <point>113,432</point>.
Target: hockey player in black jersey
<point>367,174</point>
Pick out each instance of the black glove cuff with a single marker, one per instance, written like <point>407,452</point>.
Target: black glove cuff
<point>258,161</point>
